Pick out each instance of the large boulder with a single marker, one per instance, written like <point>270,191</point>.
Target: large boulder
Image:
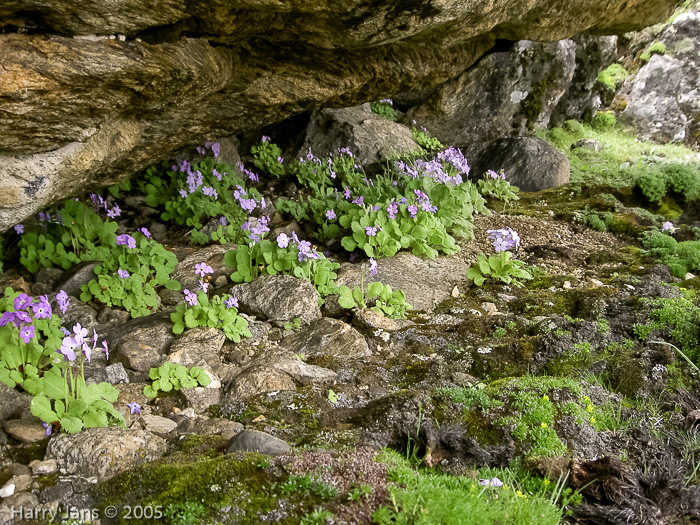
<point>531,164</point>
<point>662,98</point>
<point>507,92</point>
<point>91,94</point>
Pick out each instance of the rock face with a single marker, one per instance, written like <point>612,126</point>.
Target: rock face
<point>90,94</point>
<point>531,164</point>
<point>506,93</point>
<point>662,98</point>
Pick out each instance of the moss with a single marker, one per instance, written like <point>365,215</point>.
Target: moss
<point>533,104</point>
<point>209,445</point>
<point>612,77</point>
<point>26,453</point>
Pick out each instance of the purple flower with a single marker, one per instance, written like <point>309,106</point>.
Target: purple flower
<point>667,226</point>
<point>49,429</point>
<point>371,231</point>
<point>216,149</point>
<point>413,210</point>
<point>80,333</point>
<point>248,204</point>
<point>183,194</point>
<point>134,408</point>
<point>210,192</point>
<point>19,228</point>
<point>200,150</point>
<point>22,301</point>
<point>223,221</point>
<point>231,302</point>
<point>126,240</point>
<point>387,101</point>
<point>216,174</point>
<point>504,239</point>
<point>282,240</point>
<point>280,159</point>
<point>27,333</point>
<point>265,138</point>
<point>122,273</point>
<point>114,212</point>
<point>493,482</point>
<point>202,269</point>
<point>392,210</point>
<point>104,345</point>
<point>359,201</point>
<point>145,233</point>
<point>42,310</point>
<point>190,297</point>
<point>62,298</point>
<point>46,217</point>
<point>330,215</point>
<point>173,167</point>
<point>68,347</point>
<point>372,267</point>
<point>346,194</point>
<point>203,286</point>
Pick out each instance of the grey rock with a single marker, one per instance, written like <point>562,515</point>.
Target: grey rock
<point>508,92</point>
<point>142,343</point>
<point>25,500</point>
<point>201,398</point>
<point>196,345</point>
<point>372,139</point>
<point>78,275</point>
<point>22,482</point>
<point>42,468</point>
<point>278,298</point>
<point>258,379</point>
<point>426,282</point>
<point>158,424</point>
<point>204,426</point>
<point>116,374</point>
<point>24,430</point>
<point>104,452</point>
<point>213,256</point>
<point>531,164</point>
<point>78,312</point>
<point>256,441</point>
<point>13,403</point>
<point>590,144</point>
<point>329,337</point>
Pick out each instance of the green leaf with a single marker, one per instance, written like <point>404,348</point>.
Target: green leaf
<point>348,243</point>
<point>95,418</point>
<point>72,425</point>
<point>345,299</point>
<point>149,392</point>
<point>41,408</point>
<point>374,289</point>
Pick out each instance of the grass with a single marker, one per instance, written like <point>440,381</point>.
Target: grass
<point>622,159</point>
<point>426,497</point>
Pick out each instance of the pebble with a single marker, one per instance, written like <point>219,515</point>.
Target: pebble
<point>41,468</point>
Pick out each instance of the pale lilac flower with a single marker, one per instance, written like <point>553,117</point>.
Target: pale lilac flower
<point>346,194</point>
<point>413,210</point>
<point>265,138</point>
<point>216,149</point>
<point>62,298</point>
<point>183,194</point>
<point>280,159</point>
<point>392,210</point>
<point>387,101</point>
<point>493,482</point>
<point>223,221</point>
<point>282,240</point>
<point>190,297</point>
<point>330,215</point>
<point>114,212</point>
<point>371,231</point>
<point>210,192</point>
<point>203,286</point>
<point>248,204</point>
<point>42,310</point>
<point>68,348</point>
<point>122,273</point>
<point>359,201</point>
<point>22,301</point>
<point>231,302</point>
<point>145,232</point>
<point>49,429</point>
<point>216,174</point>
<point>200,150</point>
<point>202,269</point>
<point>45,217</point>
<point>667,226</point>
<point>19,228</point>
<point>104,345</point>
<point>126,240</point>
<point>80,333</point>
<point>27,333</point>
<point>372,267</point>
<point>134,408</point>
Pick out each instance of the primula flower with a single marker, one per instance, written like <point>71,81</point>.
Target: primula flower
<point>265,138</point>
<point>216,174</point>
<point>413,210</point>
<point>27,333</point>
<point>202,269</point>
<point>223,221</point>
<point>19,228</point>
<point>280,159</point>
<point>493,482</point>
<point>49,429</point>
<point>80,333</point>
<point>216,149</point>
<point>359,201</point>
<point>42,310</point>
<point>68,347</point>
<point>667,226</point>
<point>145,232</point>
<point>190,297</point>
<point>200,150</point>
<point>231,302</point>
<point>62,299</point>
<point>126,240</point>
<point>210,192</point>
<point>392,210</point>
<point>104,346</point>
<point>282,240</point>
<point>346,194</point>
<point>203,286</point>
<point>371,231</point>
<point>134,408</point>
<point>114,212</point>
<point>330,215</point>
<point>372,267</point>
<point>183,194</point>
<point>22,301</point>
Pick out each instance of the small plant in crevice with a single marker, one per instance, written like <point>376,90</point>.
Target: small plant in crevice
<point>656,48</point>
<point>425,141</point>
<point>220,312</point>
<point>384,108</point>
<point>681,257</point>
<point>501,267</point>
<point>612,77</point>
<point>171,376</point>
<point>496,186</point>
<point>267,157</point>
<point>185,513</point>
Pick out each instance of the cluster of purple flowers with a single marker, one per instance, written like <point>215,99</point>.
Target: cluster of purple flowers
<point>435,169</point>
<point>495,175</point>
<point>202,269</point>
<point>306,252</point>
<point>330,215</point>
<point>19,228</point>
<point>190,297</point>
<point>505,239</point>
<point>126,240</point>
<point>248,204</point>
<point>77,341</point>
<point>244,171</point>
<point>455,157</point>
<point>215,148</point>
<point>423,201</point>
<point>668,226</point>
<point>387,101</point>
<point>194,180</point>
<point>231,302</point>
<point>26,310</point>
<point>258,229</point>
<point>98,202</point>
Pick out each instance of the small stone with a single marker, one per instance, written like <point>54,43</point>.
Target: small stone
<point>689,276</point>
<point>21,483</point>
<point>567,285</point>
<point>26,500</point>
<point>7,490</point>
<point>158,424</point>
<point>201,398</point>
<point>455,292</point>
<point>489,308</point>
<point>259,419</point>
<point>595,283</point>
<point>42,468</point>
<point>256,441</point>
<point>116,374</point>
<point>590,144</point>
<point>25,431</point>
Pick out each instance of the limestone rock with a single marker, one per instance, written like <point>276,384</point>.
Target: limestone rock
<point>258,379</point>
<point>104,452</point>
<point>143,342</point>
<point>93,94</point>
<point>212,255</point>
<point>426,282</point>
<point>256,441</point>
<point>13,403</point>
<point>372,139</point>
<point>201,398</point>
<point>158,424</point>
<point>531,164</point>
<point>26,431</point>
<point>329,337</point>
<point>507,92</point>
<point>278,298</point>
<point>197,345</point>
